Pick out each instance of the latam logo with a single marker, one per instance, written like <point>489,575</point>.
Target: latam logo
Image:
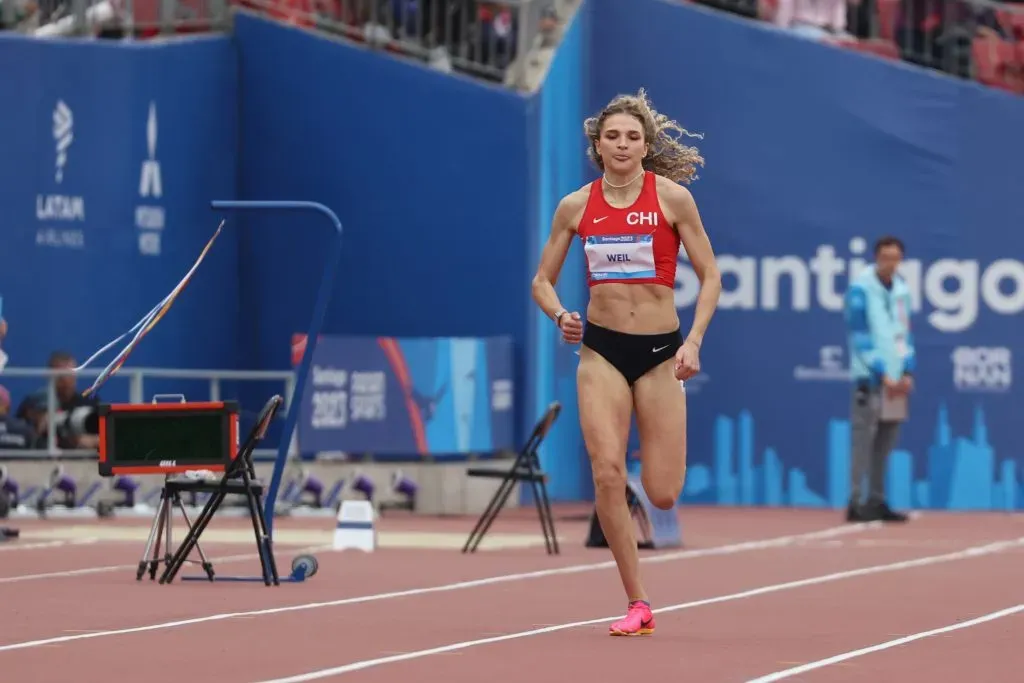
<point>52,210</point>
<point>63,135</point>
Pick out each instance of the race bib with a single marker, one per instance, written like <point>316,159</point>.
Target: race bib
<point>619,257</point>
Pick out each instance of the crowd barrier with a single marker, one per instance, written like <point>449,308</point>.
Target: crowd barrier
<point>485,39</point>
<point>446,187</point>
<point>114,19</point>
<point>981,40</point>
<point>479,38</point>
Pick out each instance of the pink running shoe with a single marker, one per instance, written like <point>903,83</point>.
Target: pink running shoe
<point>639,621</point>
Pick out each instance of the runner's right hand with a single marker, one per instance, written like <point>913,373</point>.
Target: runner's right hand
<point>572,328</point>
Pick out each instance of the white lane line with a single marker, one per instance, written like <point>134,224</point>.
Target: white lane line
<point>780,542</point>
<point>967,553</point>
<point>746,546</point>
<point>18,545</point>
<point>811,666</point>
<point>131,567</point>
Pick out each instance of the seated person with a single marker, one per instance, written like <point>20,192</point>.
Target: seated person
<point>14,433</point>
<point>76,419</point>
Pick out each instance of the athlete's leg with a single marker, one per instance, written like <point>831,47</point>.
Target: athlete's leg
<point>605,405</point>
<point>661,423</point>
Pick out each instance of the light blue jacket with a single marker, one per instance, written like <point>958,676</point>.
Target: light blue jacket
<point>878,324</point>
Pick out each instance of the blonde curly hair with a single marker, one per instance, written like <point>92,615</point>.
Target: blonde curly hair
<point>667,156</point>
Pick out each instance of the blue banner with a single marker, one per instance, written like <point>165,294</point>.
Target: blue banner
<point>409,397</point>
<point>562,167</point>
<point>111,154</point>
<point>841,149</point>
<point>428,172</point>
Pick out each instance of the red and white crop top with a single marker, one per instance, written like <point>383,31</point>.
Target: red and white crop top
<point>634,245</point>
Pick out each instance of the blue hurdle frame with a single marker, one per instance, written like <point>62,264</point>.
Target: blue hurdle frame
<point>319,312</point>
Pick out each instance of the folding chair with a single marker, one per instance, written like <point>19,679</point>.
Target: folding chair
<point>238,479</point>
<point>526,468</point>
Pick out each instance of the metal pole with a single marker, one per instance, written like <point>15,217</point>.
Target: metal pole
<point>319,312</point>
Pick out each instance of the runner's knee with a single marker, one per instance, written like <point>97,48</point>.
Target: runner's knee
<point>663,494</point>
<point>662,498</point>
<point>609,476</point>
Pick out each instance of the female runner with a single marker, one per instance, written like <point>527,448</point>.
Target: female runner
<point>631,222</point>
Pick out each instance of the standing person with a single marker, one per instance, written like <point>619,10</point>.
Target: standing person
<point>631,222</point>
<point>882,361</point>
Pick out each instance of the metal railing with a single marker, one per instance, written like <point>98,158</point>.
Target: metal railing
<point>977,40</point>
<point>181,382</point>
<point>478,37</point>
<point>114,19</point>
<point>472,36</point>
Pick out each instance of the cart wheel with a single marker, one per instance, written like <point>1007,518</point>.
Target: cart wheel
<point>307,563</point>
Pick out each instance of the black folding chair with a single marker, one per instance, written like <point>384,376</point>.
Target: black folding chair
<point>238,479</point>
<point>526,468</point>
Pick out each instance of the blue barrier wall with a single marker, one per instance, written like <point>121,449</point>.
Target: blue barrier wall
<point>429,174</point>
<point>562,168</point>
<point>111,153</point>
<point>447,187</point>
<point>812,153</point>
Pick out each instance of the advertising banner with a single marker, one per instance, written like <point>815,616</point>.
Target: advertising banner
<point>408,397</point>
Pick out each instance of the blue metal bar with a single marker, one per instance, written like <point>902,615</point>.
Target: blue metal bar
<point>319,312</point>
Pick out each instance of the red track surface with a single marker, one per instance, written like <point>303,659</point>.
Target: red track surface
<point>760,623</point>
